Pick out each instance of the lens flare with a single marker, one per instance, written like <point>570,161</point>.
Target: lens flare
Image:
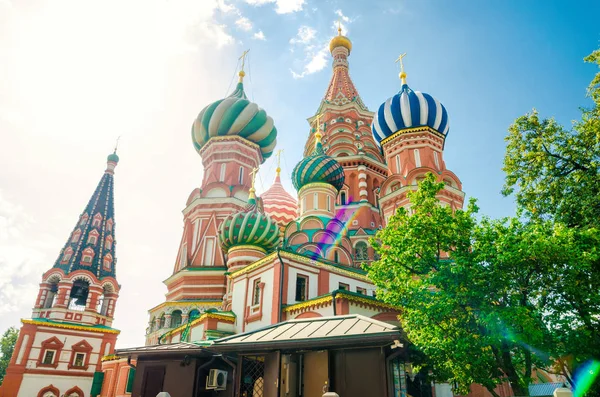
<point>585,376</point>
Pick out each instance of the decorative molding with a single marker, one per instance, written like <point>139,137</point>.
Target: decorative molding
<point>310,304</point>
<point>89,328</point>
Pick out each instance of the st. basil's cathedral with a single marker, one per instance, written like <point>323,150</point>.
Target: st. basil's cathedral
<point>245,263</point>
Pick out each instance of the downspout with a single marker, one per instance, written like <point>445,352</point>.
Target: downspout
<point>333,294</point>
<point>129,362</point>
<point>282,269</point>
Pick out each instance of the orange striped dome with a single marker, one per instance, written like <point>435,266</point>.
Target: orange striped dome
<point>279,204</point>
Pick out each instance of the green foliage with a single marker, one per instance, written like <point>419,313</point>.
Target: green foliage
<point>481,298</point>
<point>7,345</point>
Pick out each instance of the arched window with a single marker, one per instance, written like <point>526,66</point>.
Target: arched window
<point>194,314</point>
<point>222,174</point>
<point>162,321</point>
<point>241,176</point>
<point>84,219</point>
<point>417,158</point>
<point>108,242</point>
<point>87,256</point>
<point>360,251</point>
<point>343,198</point>
<point>97,220</point>
<point>109,225</point>
<point>93,237</point>
<point>75,236</point>
<point>336,256</point>
<point>398,166</point>
<point>107,262</point>
<point>316,201</point>
<point>176,319</point>
<point>67,256</point>
<point>51,295</point>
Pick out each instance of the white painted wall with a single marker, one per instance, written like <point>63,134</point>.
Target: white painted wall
<point>269,292</point>
<point>313,283</point>
<point>33,383</point>
<point>336,279</point>
<point>197,332</point>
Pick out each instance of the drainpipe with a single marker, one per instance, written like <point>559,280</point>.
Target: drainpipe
<point>333,294</point>
<point>129,362</point>
<point>280,285</point>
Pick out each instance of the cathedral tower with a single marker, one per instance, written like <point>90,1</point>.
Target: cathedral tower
<point>59,349</point>
<point>411,128</point>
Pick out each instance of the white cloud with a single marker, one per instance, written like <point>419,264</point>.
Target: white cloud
<point>244,24</point>
<point>315,51</point>
<point>305,35</point>
<point>259,35</point>
<point>281,6</point>
<point>340,14</point>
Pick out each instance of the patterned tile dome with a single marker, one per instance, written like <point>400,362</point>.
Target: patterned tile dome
<point>318,167</point>
<point>408,109</point>
<point>235,115</point>
<point>249,227</point>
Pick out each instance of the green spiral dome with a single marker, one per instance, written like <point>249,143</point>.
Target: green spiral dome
<point>249,227</point>
<point>318,167</point>
<point>235,115</point>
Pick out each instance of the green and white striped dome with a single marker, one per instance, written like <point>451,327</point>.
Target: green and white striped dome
<point>235,115</point>
<point>249,227</point>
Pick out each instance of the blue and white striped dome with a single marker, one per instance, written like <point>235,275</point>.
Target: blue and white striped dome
<point>408,109</point>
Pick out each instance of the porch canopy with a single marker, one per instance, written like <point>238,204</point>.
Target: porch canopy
<point>168,349</point>
<point>351,330</point>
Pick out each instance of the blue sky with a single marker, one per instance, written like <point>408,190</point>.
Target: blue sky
<point>76,74</point>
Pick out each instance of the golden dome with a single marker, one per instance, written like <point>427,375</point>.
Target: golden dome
<point>340,41</point>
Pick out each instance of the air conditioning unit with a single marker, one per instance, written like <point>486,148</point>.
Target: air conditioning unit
<point>216,379</point>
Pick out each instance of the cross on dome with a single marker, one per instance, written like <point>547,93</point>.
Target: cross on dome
<point>402,73</point>
<point>243,59</point>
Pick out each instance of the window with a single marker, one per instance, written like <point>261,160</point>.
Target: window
<point>301,288</point>
<point>241,176</point>
<point>398,168</point>
<point>222,174</point>
<point>84,219</point>
<point>109,225</point>
<point>176,319</point>
<point>79,360</point>
<point>92,239</point>
<point>162,321</point>
<point>336,257</point>
<point>316,201</point>
<point>67,255</point>
<point>209,247</point>
<point>107,262</point>
<point>417,158</point>
<point>344,286</point>
<point>88,255</point>
<point>256,292</point>
<point>49,357</point>
<point>328,203</point>
<point>436,159</point>
<point>108,242</point>
<point>360,251</point>
<point>343,198</point>
<point>76,235</point>
<point>97,220</point>
<point>361,291</point>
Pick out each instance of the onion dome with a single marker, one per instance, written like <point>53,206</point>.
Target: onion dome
<point>409,109</point>
<point>318,167</point>
<point>340,41</point>
<point>279,204</point>
<point>235,115</point>
<point>249,227</point>
<point>113,157</point>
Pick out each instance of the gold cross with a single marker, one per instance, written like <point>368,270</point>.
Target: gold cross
<point>400,60</point>
<point>318,121</point>
<point>243,58</point>
<point>278,154</point>
<point>117,143</point>
<point>253,176</point>
<point>339,27</point>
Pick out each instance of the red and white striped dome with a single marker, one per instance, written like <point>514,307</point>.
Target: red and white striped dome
<point>281,206</point>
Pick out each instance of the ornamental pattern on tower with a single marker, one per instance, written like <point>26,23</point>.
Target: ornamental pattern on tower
<point>92,239</point>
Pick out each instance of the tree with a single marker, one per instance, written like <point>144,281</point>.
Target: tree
<point>7,345</point>
<point>555,172</point>
<point>473,291</point>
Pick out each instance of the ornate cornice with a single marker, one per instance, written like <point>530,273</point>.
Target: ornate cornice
<point>186,304</point>
<point>411,130</point>
<point>246,247</point>
<point>88,328</point>
<point>204,316</point>
<point>366,301</point>
<point>308,304</point>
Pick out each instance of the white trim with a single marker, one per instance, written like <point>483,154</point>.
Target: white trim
<point>417,158</point>
<point>222,174</point>
<point>398,164</point>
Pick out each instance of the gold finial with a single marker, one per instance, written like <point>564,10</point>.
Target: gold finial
<point>243,59</point>
<point>252,179</point>
<point>318,134</point>
<point>339,27</point>
<point>402,74</point>
<point>278,154</point>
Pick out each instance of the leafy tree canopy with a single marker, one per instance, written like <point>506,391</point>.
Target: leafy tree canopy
<point>7,345</point>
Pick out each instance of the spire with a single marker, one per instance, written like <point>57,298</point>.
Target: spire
<point>91,245</point>
<point>318,136</point>
<point>241,73</point>
<point>252,196</point>
<point>341,89</point>
<point>278,169</point>
<point>402,74</point>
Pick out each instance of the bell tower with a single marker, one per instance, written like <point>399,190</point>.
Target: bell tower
<point>59,350</point>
